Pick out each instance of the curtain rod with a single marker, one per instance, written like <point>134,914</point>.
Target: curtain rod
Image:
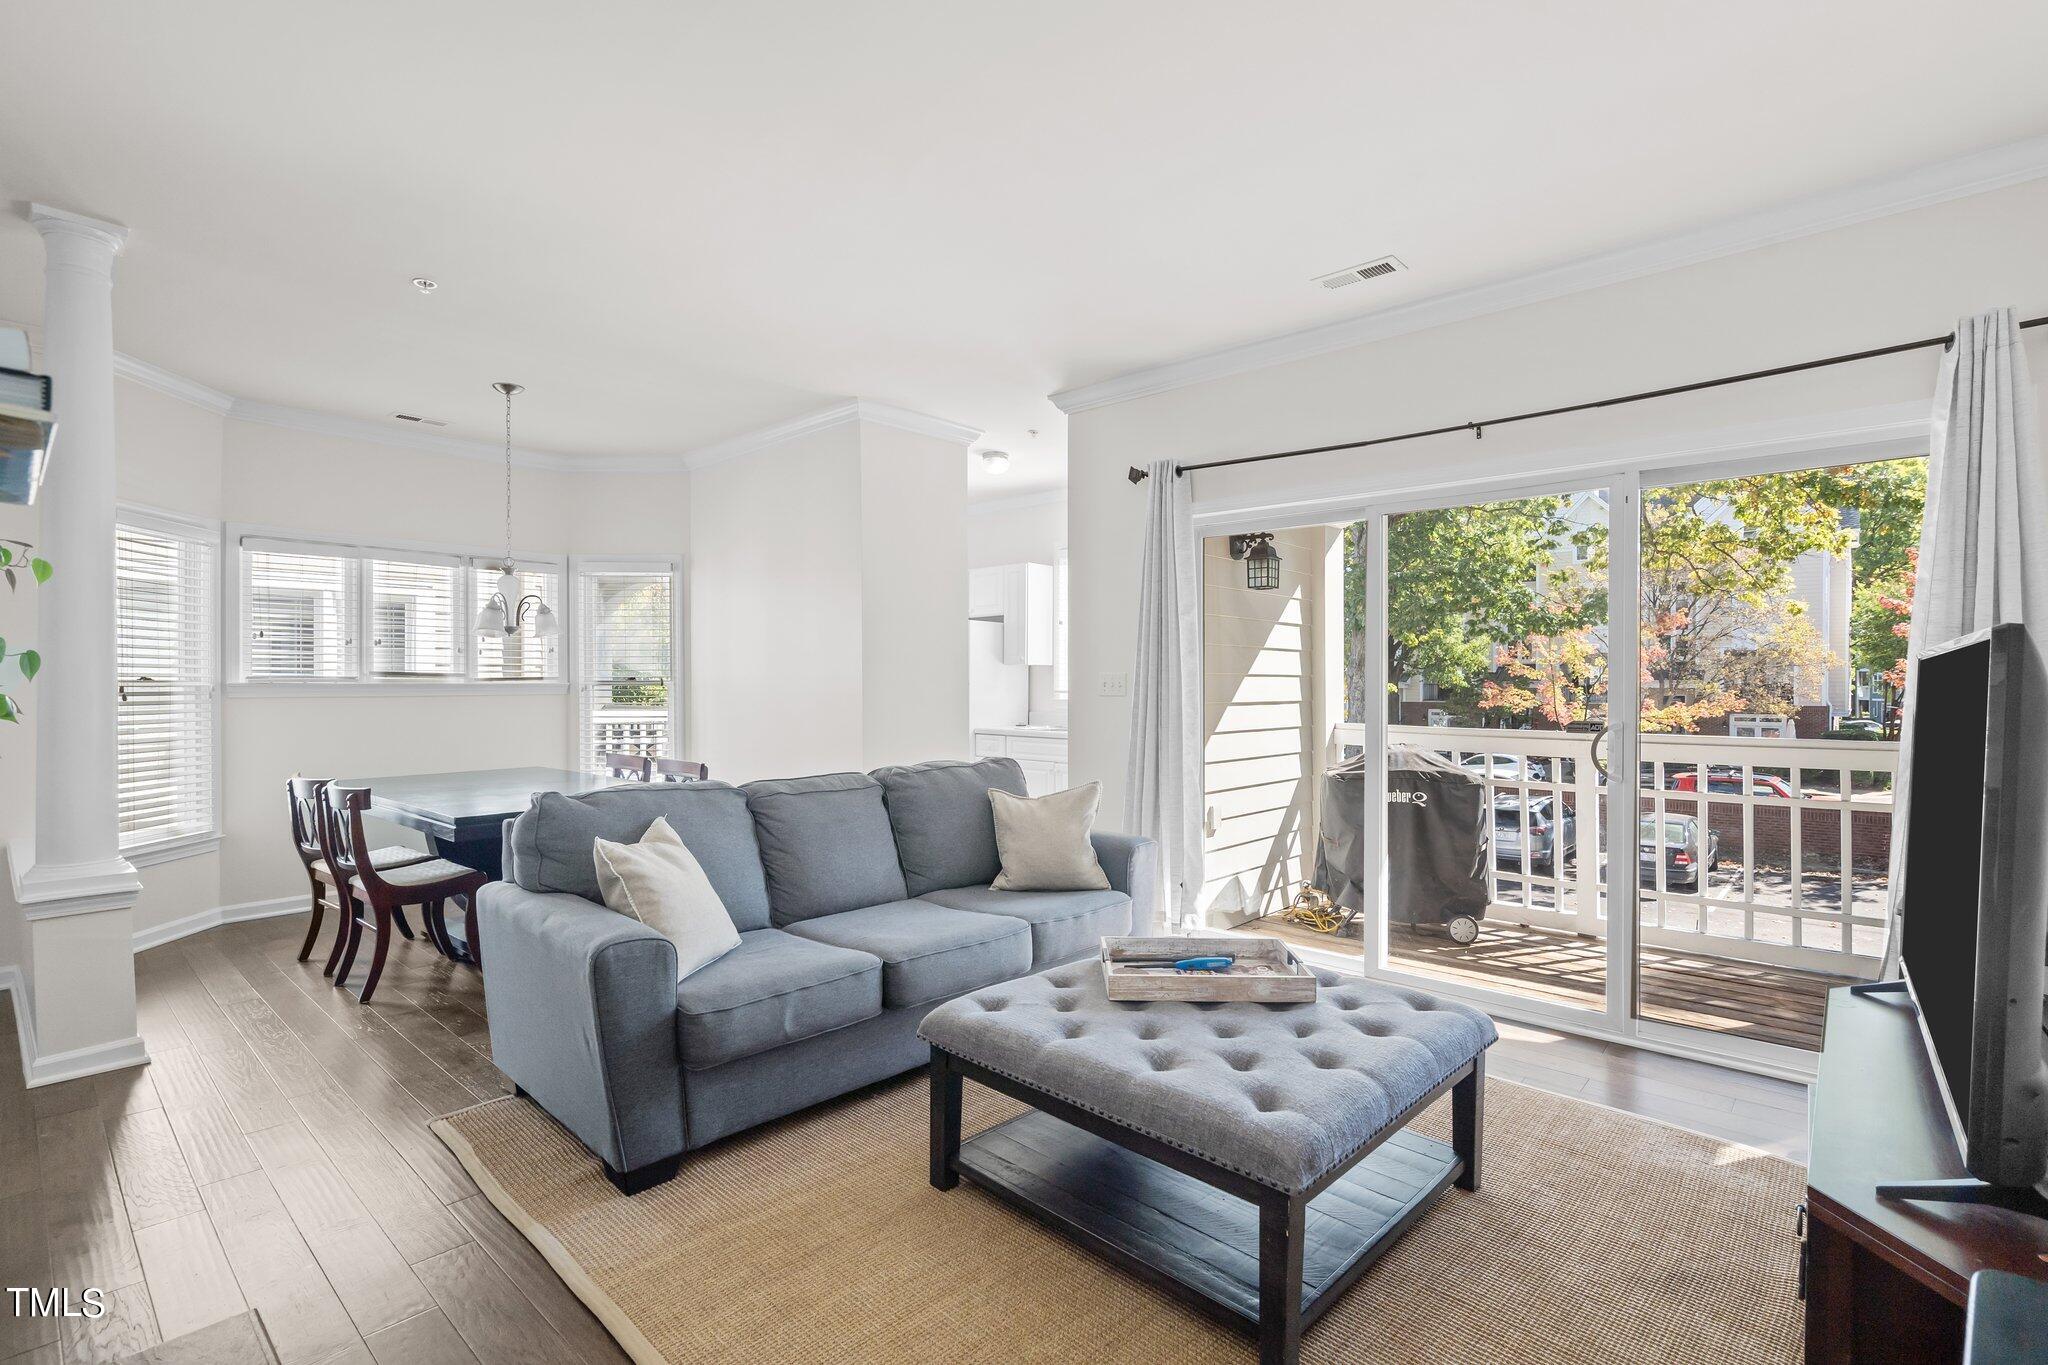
<point>1478,429</point>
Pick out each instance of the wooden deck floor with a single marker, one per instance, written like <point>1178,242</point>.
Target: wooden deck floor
<point>1741,999</point>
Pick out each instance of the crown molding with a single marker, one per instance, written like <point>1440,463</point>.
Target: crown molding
<point>1976,173</point>
<point>1018,502</point>
<point>176,385</point>
<point>917,423</point>
<point>839,414</point>
<point>467,448</point>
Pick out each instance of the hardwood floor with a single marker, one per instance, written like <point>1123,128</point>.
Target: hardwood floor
<point>275,1156</point>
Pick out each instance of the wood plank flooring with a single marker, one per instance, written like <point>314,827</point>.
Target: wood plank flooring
<point>275,1156</point>
<point>1742,999</point>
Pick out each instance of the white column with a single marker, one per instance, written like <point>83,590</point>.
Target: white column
<point>76,891</point>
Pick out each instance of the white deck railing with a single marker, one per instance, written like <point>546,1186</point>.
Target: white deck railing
<point>1801,879</point>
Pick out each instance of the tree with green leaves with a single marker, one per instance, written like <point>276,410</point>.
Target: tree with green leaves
<point>16,556</point>
<point>1460,580</point>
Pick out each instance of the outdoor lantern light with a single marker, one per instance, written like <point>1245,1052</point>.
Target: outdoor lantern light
<point>506,610</point>
<point>1261,560</point>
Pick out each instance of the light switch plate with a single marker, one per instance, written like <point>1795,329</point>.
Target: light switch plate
<point>1115,685</point>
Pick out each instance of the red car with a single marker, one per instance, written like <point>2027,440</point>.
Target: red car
<point>1730,784</point>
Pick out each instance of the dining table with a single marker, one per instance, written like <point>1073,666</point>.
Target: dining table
<point>463,814</point>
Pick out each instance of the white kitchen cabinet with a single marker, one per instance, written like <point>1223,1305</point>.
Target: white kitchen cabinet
<point>1043,757</point>
<point>1021,596</point>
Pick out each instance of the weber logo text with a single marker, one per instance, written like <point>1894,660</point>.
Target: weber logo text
<point>1408,798</point>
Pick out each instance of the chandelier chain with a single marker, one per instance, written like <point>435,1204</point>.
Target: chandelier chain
<point>508,480</point>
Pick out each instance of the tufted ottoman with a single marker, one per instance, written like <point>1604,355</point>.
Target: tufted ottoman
<point>1144,1110</point>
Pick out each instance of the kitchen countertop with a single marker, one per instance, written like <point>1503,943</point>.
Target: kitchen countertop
<point>1024,731</point>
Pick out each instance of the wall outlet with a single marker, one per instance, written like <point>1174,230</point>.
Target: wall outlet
<point>1115,685</point>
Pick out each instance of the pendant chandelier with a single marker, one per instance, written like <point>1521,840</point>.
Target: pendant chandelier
<point>499,615</point>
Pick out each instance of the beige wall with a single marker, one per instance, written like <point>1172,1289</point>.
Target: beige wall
<point>1888,280</point>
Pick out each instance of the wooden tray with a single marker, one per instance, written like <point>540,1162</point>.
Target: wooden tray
<point>1265,971</point>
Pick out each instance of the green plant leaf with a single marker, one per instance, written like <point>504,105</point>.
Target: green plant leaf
<point>31,663</point>
<point>41,569</point>
<point>6,555</point>
<point>8,710</point>
<point>10,576</point>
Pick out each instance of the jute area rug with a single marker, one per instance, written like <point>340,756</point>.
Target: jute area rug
<point>1598,1237</point>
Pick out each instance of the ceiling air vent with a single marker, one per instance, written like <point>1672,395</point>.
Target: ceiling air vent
<point>1371,270</point>
<point>420,421</point>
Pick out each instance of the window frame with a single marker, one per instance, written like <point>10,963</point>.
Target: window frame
<point>572,593</point>
<point>159,521</point>
<point>234,629</point>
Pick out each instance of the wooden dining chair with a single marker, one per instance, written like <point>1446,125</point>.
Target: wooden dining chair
<point>625,767</point>
<point>383,892</point>
<point>679,770</point>
<point>306,795</point>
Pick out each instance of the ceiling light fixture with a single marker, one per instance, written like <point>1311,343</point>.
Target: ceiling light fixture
<point>995,461</point>
<point>499,616</point>
<point>424,285</point>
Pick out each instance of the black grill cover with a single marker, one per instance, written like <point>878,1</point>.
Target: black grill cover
<point>1437,839</point>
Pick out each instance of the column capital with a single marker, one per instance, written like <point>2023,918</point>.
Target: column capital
<point>83,242</point>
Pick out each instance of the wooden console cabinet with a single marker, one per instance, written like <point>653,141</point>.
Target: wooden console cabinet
<point>1886,1280</point>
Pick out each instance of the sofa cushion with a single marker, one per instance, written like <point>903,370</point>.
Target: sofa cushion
<point>928,952</point>
<point>553,842</point>
<point>1065,925</point>
<point>774,988</point>
<point>945,831</point>
<point>825,845</point>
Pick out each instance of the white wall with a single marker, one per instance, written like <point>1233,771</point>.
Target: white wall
<point>913,508</point>
<point>178,457</point>
<point>775,610</point>
<point>1026,530</point>
<point>1874,283</point>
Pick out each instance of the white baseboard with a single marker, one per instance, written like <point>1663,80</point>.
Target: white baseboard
<point>90,1061</point>
<point>158,935</point>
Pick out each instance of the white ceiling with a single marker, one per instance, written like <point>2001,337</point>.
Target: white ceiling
<point>676,223</point>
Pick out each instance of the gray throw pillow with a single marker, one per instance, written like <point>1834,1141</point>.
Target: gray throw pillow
<point>1044,841</point>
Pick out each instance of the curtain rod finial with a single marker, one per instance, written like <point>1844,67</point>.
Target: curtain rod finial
<point>1137,475</point>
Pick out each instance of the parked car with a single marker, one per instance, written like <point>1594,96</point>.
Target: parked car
<point>1859,725</point>
<point>1504,768</point>
<point>1728,781</point>
<point>1682,851</point>
<point>1550,827</point>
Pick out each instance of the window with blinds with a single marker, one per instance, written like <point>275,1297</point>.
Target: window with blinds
<point>522,656</point>
<point>414,619</point>
<point>165,653</point>
<point>625,661</point>
<point>300,612</point>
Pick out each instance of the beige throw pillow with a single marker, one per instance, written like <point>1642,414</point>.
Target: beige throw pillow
<point>659,882</point>
<point>1044,841</point>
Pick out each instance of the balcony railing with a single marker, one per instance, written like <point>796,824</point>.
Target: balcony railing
<point>1789,839</point>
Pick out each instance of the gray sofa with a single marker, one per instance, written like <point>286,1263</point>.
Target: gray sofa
<point>862,901</point>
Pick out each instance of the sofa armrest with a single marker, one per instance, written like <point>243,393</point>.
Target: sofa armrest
<point>582,1006</point>
<point>1132,865</point>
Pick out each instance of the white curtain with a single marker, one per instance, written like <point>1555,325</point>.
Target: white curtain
<point>1163,787</point>
<point>1983,558</point>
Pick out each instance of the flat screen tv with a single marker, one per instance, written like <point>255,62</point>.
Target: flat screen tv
<point>1973,914</point>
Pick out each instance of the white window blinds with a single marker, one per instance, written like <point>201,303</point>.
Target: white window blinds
<point>625,656</point>
<point>522,656</point>
<point>413,625</point>
<point>165,652</point>
<point>299,613</point>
